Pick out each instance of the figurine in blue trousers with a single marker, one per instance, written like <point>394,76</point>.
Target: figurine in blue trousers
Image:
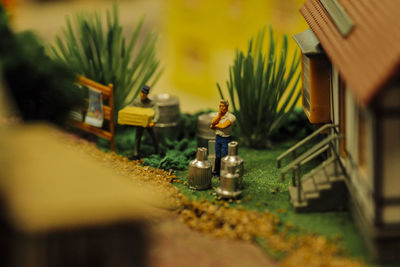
<point>222,124</point>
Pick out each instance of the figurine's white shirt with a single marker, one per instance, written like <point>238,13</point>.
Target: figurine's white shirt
<point>227,131</point>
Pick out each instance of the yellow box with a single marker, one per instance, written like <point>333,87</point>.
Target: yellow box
<point>135,116</point>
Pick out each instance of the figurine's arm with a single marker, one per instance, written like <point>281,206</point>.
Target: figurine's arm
<point>223,125</point>
<point>156,115</point>
<point>216,120</point>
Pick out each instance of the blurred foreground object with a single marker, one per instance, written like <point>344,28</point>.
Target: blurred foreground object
<point>10,6</point>
<point>62,208</point>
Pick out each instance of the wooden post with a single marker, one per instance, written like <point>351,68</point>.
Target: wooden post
<point>112,117</point>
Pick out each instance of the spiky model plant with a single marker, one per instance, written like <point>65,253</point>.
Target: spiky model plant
<point>262,90</point>
<point>102,54</point>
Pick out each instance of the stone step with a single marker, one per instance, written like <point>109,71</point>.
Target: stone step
<point>322,179</point>
<point>322,189</point>
<point>324,200</point>
<point>299,206</point>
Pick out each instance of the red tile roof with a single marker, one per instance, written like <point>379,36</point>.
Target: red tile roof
<point>370,55</point>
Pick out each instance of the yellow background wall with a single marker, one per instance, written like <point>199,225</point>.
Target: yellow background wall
<point>200,38</point>
<point>197,38</point>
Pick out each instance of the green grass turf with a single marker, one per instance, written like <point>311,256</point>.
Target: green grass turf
<point>265,191</point>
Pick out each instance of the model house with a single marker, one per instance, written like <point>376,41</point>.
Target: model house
<point>351,91</point>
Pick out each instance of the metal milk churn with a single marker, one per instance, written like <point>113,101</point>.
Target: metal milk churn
<point>232,159</point>
<point>199,177</point>
<point>229,183</point>
<point>168,110</point>
<point>204,133</point>
<point>168,115</point>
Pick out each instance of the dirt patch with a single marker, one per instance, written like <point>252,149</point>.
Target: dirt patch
<point>175,244</point>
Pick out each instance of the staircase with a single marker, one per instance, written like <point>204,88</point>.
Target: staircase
<point>324,187</point>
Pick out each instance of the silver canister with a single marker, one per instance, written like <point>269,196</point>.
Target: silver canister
<point>204,132</point>
<point>232,159</point>
<point>229,183</point>
<point>199,177</point>
<point>168,110</point>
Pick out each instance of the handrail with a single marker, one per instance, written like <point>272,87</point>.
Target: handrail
<point>310,154</point>
<point>303,142</point>
<point>307,156</point>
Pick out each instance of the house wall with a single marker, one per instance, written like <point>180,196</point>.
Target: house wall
<point>388,108</point>
<point>360,181</point>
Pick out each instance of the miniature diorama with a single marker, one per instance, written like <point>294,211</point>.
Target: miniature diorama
<point>128,161</point>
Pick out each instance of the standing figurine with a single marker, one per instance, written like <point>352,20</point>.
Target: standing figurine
<point>144,102</point>
<point>222,124</point>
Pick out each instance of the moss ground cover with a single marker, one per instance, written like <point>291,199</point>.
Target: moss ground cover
<point>264,214</point>
<point>265,191</point>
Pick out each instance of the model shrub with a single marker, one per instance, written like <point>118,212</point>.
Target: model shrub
<point>262,88</point>
<point>40,88</point>
<point>99,51</point>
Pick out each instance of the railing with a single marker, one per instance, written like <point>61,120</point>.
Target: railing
<point>293,149</point>
<point>299,161</point>
<point>314,152</point>
<point>310,154</point>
